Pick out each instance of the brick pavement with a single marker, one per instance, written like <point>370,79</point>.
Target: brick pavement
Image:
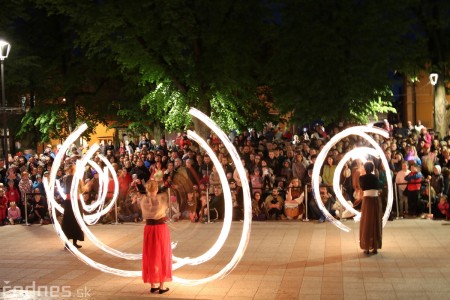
<point>284,260</point>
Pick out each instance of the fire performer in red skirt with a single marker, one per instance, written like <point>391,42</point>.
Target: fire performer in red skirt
<point>157,249</point>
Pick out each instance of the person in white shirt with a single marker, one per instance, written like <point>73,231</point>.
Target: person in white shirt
<point>400,182</point>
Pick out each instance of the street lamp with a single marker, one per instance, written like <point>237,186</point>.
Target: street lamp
<point>5,47</point>
<point>433,80</point>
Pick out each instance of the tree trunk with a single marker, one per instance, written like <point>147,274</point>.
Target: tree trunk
<point>200,127</point>
<point>71,114</point>
<point>440,110</point>
<point>157,131</point>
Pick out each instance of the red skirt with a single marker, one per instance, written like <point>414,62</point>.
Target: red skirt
<point>157,254</point>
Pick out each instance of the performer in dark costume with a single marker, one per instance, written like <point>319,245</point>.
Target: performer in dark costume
<point>69,224</point>
<point>370,229</point>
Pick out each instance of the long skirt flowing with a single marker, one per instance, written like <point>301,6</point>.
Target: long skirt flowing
<point>370,228</point>
<point>69,224</point>
<point>157,254</point>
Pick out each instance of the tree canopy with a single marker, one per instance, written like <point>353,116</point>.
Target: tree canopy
<point>147,62</point>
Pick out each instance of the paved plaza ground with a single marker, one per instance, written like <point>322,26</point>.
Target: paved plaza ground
<point>284,260</point>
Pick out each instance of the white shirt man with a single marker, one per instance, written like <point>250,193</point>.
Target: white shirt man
<point>400,181</point>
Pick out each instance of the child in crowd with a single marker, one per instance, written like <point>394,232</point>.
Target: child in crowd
<point>14,216</point>
<point>443,208</point>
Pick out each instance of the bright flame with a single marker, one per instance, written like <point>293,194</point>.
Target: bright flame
<point>377,151</point>
<point>98,205</point>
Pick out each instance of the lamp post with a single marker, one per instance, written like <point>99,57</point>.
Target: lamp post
<point>5,47</point>
<point>433,80</point>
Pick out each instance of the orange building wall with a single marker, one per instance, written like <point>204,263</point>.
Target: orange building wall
<point>424,101</point>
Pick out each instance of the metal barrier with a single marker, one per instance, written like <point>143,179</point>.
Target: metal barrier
<point>25,199</point>
<point>397,196</point>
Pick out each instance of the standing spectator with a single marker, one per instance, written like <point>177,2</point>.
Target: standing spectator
<point>12,193</point>
<point>298,167</point>
<point>402,190</point>
<point>144,141</point>
<point>192,172</point>
<point>328,171</point>
<point>141,171</point>
<point>437,181</point>
<point>2,171</point>
<point>370,229</point>
<point>286,171</point>
<point>357,171</point>
<point>25,187</point>
<point>38,184</point>
<point>124,184</point>
<point>12,175</point>
<point>256,181</point>
<point>109,148</point>
<point>3,207</point>
<point>414,179</point>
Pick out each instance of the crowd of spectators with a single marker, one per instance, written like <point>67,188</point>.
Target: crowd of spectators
<point>278,165</point>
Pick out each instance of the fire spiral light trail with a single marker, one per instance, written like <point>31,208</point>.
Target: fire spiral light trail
<point>376,151</point>
<point>100,209</point>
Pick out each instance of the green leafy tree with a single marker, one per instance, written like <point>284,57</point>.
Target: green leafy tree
<point>203,54</point>
<point>64,87</point>
<point>334,59</point>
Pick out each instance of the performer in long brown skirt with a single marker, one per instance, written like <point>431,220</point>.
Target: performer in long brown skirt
<point>370,229</point>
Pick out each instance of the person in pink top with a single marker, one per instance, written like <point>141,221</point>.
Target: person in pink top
<point>14,216</point>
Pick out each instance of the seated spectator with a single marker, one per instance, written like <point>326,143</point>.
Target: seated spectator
<point>327,200</point>
<point>202,212</point>
<point>192,207</point>
<point>274,205</point>
<point>39,205</point>
<point>442,209</point>
<point>293,206</point>
<point>175,208</point>
<point>286,171</point>
<point>257,213</point>
<point>217,204</point>
<point>256,181</point>
<point>129,209</point>
<point>237,198</point>
<point>268,176</point>
<point>14,216</point>
<point>214,180</point>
